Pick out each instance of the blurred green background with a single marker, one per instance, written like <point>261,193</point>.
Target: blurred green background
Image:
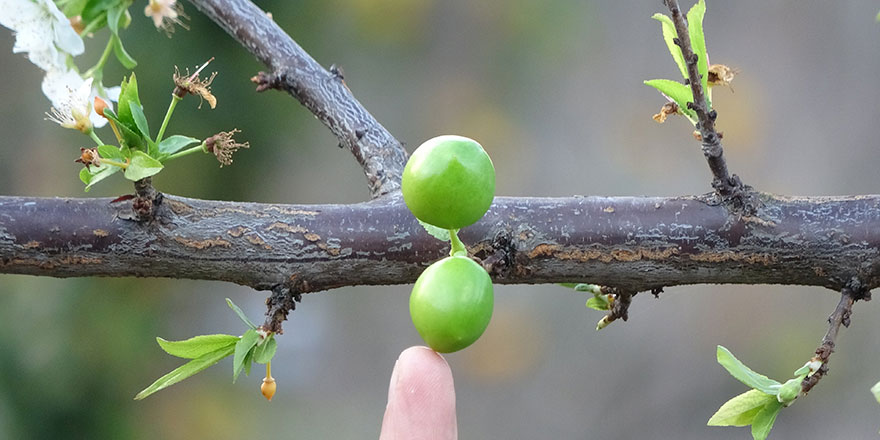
<point>553,90</point>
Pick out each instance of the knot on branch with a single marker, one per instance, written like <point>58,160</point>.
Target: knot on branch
<point>739,198</point>
<point>498,260</point>
<point>279,304</point>
<point>266,81</point>
<point>146,200</point>
<point>619,306</point>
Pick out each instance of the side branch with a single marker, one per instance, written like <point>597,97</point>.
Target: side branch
<point>633,244</point>
<point>723,182</point>
<point>840,316</point>
<point>321,92</point>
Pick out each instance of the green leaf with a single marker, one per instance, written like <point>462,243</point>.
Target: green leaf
<point>698,43</point>
<point>94,8</point>
<point>669,34</point>
<point>186,370</point>
<point>142,166</point>
<point>803,371</point>
<point>741,410</point>
<point>113,152</point>
<point>198,346</point>
<point>248,362</point>
<point>240,314</point>
<point>96,174</point>
<point>127,95</point>
<point>173,144</point>
<point>114,15</point>
<point>140,120</point>
<point>677,92</point>
<point>72,8</point>
<point>745,374</point>
<point>124,58</point>
<point>595,289</point>
<point>789,391</point>
<point>599,302</point>
<point>129,136</point>
<point>153,150</point>
<point>437,232</point>
<point>265,351</point>
<point>124,119</point>
<point>876,391</point>
<point>242,351</point>
<point>765,419</point>
<point>878,17</point>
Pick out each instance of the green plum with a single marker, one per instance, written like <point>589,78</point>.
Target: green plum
<point>451,303</point>
<point>449,182</point>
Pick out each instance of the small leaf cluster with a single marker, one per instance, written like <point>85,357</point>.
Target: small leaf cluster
<point>138,154</point>
<point>675,91</point>
<point>254,346</point>
<point>759,406</point>
<point>599,301</point>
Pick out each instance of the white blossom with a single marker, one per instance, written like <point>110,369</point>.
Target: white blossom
<point>165,14</point>
<point>47,37</point>
<point>64,87</point>
<point>42,31</point>
<point>73,112</point>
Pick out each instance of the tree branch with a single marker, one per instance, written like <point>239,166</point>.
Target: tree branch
<point>323,93</point>
<point>632,244</point>
<point>840,316</point>
<point>726,185</point>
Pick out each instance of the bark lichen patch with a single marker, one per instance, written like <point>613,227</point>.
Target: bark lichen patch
<point>292,229</point>
<point>203,244</point>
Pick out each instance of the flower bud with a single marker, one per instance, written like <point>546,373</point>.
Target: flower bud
<point>268,387</point>
<point>100,105</point>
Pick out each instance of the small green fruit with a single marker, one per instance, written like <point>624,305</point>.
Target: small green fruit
<point>451,303</point>
<point>449,182</point>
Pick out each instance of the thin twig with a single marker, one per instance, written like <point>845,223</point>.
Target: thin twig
<point>323,93</point>
<point>725,184</point>
<point>840,316</point>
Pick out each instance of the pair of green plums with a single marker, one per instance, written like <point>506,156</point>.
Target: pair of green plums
<point>449,182</point>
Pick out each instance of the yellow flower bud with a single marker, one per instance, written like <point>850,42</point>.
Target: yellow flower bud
<point>268,387</point>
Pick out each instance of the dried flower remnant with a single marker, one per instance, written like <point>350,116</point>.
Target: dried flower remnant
<point>699,137</point>
<point>194,85</point>
<point>165,14</point>
<point>670,108</point>
<point>223,146</point>
<point>77,24</point>
<point>88,157</point>
<point>720,75</point>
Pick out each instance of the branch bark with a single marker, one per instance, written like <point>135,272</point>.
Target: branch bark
<point>323,93</point>
<point>633,244</point>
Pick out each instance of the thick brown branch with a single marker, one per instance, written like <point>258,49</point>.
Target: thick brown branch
<point>723,182</point>
<point>633,244</point>
<point>323,93</point>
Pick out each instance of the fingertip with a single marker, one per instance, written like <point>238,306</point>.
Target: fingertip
<point>421,397</point>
